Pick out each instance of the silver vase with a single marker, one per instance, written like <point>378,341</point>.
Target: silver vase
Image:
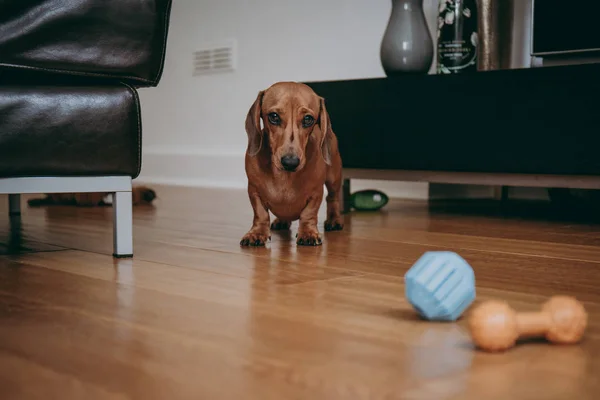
<point>407,46</point>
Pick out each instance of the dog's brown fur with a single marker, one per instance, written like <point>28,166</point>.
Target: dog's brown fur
<point>140,195</point>
<point>294,195</point>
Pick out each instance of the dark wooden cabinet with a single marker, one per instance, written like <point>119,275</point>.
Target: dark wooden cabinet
<point>523,121</point>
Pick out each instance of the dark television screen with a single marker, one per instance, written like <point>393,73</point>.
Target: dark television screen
<point>565,26</point>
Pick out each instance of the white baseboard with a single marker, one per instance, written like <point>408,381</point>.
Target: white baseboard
<point>225,169</point>
<point>194,168</point>
<point>394,189</point>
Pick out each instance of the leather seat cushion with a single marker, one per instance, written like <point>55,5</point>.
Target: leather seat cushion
<point>121,40</point>
<point>69,131</point>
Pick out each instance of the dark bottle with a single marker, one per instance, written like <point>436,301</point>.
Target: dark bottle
<point>457,36</point>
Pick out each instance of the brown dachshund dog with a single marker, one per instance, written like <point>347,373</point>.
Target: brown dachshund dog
<point>288,162</point>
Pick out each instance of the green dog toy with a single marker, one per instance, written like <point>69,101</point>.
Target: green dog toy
<point>368,200</point>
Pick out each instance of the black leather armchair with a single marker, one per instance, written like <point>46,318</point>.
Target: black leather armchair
<point>69,111</point>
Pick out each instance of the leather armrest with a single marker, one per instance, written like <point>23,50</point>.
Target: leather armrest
<point>122,40</point>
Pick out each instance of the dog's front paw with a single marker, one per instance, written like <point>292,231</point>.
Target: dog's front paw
<point>334,224</point>
<point>308,238</point>
<point>279,225</point>
<point>255,238</point>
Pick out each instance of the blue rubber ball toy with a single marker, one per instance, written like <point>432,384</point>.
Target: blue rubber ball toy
<point>440,285</point>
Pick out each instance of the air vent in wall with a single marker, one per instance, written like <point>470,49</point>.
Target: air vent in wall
<point>213,59</point>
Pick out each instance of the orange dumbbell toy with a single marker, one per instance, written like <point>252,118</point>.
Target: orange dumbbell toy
<point>495,326</point>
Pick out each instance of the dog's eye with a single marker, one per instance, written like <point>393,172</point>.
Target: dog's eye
<point>274,118</point>
<point>308,121</point>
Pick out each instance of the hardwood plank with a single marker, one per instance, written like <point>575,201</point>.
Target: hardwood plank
<point>210,328</point>
<point>535,246</point>
<point>193,315</point>
<point>23,372</point>
<point>348,332</point>
<point>359,256</point>
<point>211,222</point>
<point>235,341</point>
<point>14,239</point>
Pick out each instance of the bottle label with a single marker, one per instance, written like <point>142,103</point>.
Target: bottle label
<point>457,36</point>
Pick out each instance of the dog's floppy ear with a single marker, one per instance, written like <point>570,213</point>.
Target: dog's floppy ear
<point>326,133</point>
<point>255,134</point>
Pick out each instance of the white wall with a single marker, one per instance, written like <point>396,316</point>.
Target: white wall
<point>194,126</point>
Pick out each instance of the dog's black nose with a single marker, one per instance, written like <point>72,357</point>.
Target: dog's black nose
<point>290,162</point>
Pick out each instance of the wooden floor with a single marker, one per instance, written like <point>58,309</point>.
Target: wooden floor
<point>194,316</point>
